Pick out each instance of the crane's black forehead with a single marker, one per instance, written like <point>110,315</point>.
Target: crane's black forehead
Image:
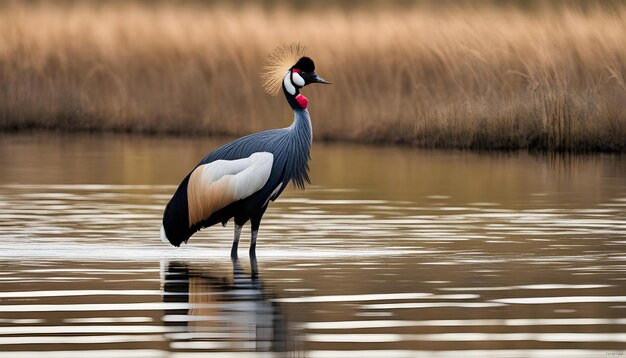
<point>305,64</point>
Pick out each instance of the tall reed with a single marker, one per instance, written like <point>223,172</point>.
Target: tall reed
<point>483,78</point>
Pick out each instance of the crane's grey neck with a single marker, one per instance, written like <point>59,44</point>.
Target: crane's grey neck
<point>298,146</point>
<point>301,126</point>
<point>299,135</point>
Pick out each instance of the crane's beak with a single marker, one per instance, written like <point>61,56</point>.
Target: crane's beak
<point>318,79</point>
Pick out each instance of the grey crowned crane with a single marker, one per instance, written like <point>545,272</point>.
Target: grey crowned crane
<point>239,179</point>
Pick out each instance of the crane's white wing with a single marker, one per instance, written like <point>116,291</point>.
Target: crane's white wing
<point>215,185</point>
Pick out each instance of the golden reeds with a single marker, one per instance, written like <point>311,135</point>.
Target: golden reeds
<point>482,78</point>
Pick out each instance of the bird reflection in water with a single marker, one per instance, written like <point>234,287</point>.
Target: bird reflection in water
<point>222,315</point>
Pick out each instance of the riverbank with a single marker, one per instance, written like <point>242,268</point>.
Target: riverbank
<point>481,78</point>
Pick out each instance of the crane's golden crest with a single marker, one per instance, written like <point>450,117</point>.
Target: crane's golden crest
<point>277,64</point>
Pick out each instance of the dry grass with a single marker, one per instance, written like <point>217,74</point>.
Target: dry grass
<point>486,78</point>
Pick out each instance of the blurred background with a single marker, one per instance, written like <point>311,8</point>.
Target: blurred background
<point>393,251</point>
<point>508,74</point>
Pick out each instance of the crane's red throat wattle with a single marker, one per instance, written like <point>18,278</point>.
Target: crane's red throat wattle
<point>302,101</point>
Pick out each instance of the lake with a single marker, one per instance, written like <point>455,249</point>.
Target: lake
<point>391,252</point>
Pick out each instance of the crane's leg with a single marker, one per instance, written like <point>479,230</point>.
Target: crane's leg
<point>255,233</point>
<point>233,250</point>
<point>256,222</point>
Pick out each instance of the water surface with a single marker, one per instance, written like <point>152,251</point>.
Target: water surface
<point>391,252</point>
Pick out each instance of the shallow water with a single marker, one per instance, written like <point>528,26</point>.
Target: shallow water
<point>392,252</point>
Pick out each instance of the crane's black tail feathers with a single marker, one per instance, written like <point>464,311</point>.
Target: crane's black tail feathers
<point>175,229</point>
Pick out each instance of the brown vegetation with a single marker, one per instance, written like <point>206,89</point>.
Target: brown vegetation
<point>483,78</point>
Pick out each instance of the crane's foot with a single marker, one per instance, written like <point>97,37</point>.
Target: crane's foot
<point>236,266</point>
<point>254,268</point>
<point>233,250</point>
<point>253,251</point>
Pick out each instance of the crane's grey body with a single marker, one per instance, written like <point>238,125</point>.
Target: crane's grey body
<point>290,146</point>
<point>239,179</point>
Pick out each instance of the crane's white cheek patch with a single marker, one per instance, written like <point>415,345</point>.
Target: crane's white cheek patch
<point>288,85</point>
<point>298,80</point>
<point>214,186</point>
